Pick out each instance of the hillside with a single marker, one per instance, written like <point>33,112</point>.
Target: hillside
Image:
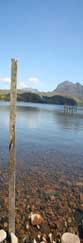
<point>69,88</point>
<point>65,93</point>
<point>36,98</point>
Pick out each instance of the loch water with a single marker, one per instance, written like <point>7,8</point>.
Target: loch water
<point>45,134</point>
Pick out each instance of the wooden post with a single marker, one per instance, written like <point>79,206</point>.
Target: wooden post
<point>12,156</point>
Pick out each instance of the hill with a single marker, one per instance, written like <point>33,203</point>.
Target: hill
<point>69,88</point>
<point>65,93</point>
<point>36,98</point>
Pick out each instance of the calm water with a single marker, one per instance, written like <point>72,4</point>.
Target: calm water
<point>44,134</point>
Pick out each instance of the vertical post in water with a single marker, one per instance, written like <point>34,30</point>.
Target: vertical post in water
<point>12,156</point>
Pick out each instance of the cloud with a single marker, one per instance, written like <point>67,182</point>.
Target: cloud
<point>4,80</point>
<point>30,83</point>
<point>34,80</point>
<point>21,85</point>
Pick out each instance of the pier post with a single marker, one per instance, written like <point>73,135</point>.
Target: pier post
<point>12,156</point>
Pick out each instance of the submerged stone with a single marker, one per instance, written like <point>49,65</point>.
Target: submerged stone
<point>79,221</point>
<point>14,239</point>
<point>36,219</point>
<point>3,235</point>
<point>70,238</point>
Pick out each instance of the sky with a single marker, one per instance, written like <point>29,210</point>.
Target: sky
<point>46,37</point>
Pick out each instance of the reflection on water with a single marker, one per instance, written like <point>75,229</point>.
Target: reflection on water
<point>43,133</point>
<point>29,118</point>
<point>69,121</point>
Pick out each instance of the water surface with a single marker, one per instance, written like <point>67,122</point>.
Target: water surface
<point>44,134</point>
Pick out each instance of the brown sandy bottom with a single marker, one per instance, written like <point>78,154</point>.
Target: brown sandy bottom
<point>55,192</point>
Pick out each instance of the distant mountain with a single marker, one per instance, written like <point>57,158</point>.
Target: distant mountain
<point>64,88</point>
<point>28,90</point>
<point>65,93</point>
<point>70,89</point>
<point>36,98</point>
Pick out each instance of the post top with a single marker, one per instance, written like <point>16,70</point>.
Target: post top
<point>14,60</point>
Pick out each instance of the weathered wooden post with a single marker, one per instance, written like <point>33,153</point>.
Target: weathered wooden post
<point>12,156</point>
